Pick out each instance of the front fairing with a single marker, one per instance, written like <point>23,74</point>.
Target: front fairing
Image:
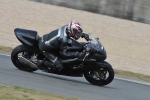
<point>99,52</point>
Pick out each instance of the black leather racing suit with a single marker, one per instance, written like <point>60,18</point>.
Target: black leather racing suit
<point>56,40</point>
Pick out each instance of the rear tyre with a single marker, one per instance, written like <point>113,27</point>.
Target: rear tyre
<point>15,55</point>
<point>100,76</point>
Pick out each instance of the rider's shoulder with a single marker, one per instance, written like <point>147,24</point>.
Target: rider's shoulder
<point>64,26</point>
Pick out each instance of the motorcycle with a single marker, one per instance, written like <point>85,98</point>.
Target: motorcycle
<point>92,66</point>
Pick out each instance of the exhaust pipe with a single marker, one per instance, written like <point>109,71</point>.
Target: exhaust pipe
<point>27,62</point>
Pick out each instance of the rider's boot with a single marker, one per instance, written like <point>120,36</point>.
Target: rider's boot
<point>55,66</point>
<point>58,65</point>
<point>52,59</point>
<point>41,66</point>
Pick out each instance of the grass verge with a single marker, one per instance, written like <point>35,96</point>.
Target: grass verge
<point>5,50</point>
<point>132,76</point>
<point>118,73</point>
<point>18,93</point>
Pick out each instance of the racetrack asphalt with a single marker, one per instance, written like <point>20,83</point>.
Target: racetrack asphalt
<point>76,87</point>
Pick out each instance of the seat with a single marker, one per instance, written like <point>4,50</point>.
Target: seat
<point>27,37</point>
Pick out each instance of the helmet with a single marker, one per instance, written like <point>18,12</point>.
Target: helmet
<point>74,30</point>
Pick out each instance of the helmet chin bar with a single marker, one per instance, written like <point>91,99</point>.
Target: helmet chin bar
<point>74,30</point>
<point>75,37</point>
<point>71,35</point>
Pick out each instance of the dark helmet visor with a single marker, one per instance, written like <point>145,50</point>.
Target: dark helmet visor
<point>77,33</point>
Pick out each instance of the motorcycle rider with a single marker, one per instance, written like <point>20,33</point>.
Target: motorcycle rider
<point>59,40</point>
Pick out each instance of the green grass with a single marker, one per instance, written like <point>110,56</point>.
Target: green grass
<point>118,73</point>
<point>18,93</point>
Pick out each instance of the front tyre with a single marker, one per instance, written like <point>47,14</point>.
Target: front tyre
<point>100,76</point>
<point>16,54</point>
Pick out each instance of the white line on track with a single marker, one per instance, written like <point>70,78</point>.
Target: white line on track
<point>133,81</point>
<point>4,54</point>
<point>4,85</point>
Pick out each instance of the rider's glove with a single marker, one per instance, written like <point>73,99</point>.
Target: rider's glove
<point>86,36</point>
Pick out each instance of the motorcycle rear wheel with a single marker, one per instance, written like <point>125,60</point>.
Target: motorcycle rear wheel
<point>100,76</point>
<point>15,55</point>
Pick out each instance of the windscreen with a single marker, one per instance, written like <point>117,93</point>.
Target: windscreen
<point>95,43</point>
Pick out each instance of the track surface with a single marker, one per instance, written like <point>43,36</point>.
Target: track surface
<point>70,86</point>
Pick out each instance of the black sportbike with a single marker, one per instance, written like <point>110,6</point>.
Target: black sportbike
<point>92,66</point>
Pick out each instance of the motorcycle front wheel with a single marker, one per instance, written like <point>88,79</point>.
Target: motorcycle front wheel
<point>100,76</point>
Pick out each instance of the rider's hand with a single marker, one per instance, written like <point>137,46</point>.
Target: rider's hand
<point>86,36</point>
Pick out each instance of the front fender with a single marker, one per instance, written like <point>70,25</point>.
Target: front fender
<point>103,64</point>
